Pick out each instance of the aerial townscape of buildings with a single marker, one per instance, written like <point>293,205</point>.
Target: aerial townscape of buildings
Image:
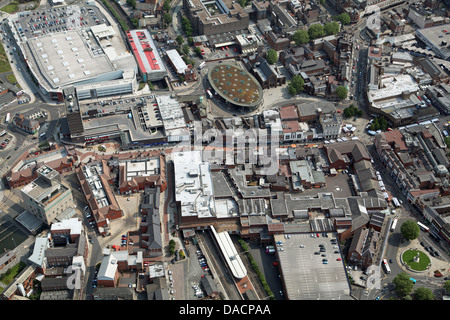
<point>225,150</point>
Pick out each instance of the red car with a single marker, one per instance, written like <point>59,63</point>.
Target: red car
<point>338,259</point>
<point>317,235</point>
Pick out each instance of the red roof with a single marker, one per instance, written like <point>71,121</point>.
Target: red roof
<point>288,113</point>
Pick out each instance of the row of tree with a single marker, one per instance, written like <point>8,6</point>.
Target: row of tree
<point>315,31</point>
<point>379,123</point>
<point>404,287</point>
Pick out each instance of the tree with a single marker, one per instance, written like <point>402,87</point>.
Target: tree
<point>271,56</point>
<point>132,3</point>
<point>296,85</point>
<point>343,18</point>
<point>187,27</point>
<point>352,111</point>
<point>410,230</point>
<point>292,91</point>
<point>198,51</point>
<point>166,6</point>
<point>341,92</point>
<point>423,294</point>
<point>167,17</point>
<point>180,40</point>
<point>243,3</point>
<point>190,40</point>
<point>331,28</point>
<point>403,285</point>
<point>135,22</point>
<point>447,141</point>
<point>316,31</point>
<point>300,37</point>
<point>186,49</point>
<point>447,286</point>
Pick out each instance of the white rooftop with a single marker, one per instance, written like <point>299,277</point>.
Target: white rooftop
<point>194,186</point>
<point>73,224</point>
<point>177,61</point>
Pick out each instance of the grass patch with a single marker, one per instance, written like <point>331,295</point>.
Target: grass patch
<point>424,260</point>
<point>4,60</point>
<point>9,275</point>
<point>11,78</point>
<point>11,8</point>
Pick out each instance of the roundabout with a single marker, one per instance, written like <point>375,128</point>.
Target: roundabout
<point>416,260</point>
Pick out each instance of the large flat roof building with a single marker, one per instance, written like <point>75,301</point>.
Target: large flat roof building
<point>193,185</point>
<point>436,39</point>
<point>81,55</point>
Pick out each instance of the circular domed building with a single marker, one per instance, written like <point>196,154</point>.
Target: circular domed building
<point>235,85</point>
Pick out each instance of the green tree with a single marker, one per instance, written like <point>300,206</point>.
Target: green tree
<point>447,141</point>
<point>296,85</point>
<point>186,49</point>
<point>316,31</point>
<point>343,18</point>
<point>179,39</point>
<point>135,22</point>
<point>132,3</point>
<point>300,37</point>
<point>331,28</point>
<point>190,40</point>
<point>403,285</point>
<point>166,6</point>
<point>292,90</point>
<point>410,230</point>
<point>167,17</point>
<point>187,27</point>
<point>447,286</point>
<point>271,56</point>
<point>352,111</point>
<point>198,51</point>
<point>243,3</point>
<point>423,294</point>
<point>341,92</point>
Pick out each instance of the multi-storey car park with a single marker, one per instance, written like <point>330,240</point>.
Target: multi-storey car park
<point>74,46</point>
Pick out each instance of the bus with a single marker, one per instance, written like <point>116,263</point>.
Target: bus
<point>396,202</point>
<point>386,267</point>
<point>201,65</point>
<point>209,94</point>
<point>2,133</point>
<point>394,224</point>
<point>8,117</point>
<point>423,227</point>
